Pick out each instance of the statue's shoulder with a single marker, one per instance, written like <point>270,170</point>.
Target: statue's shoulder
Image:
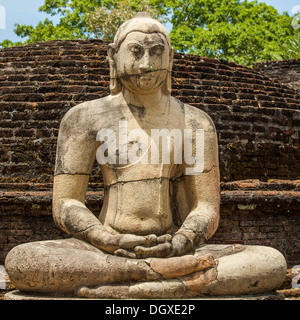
<point>85,110</point>
<point>196,118</point>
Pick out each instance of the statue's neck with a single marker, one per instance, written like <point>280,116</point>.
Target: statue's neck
<point>152,102</point>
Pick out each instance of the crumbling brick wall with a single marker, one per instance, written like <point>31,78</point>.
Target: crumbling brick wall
<point>285,71</point>
<point>257,119</point>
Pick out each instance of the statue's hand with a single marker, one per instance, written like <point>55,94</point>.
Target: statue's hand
<point>133,246</point>
<point>112,243</point>
<point>128,242</point>
<point>181,245</point>
<point>169,246</point>
<point>165,246</point>
<point>153,247</point>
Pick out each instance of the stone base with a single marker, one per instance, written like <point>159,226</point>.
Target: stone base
<point>18,295</point>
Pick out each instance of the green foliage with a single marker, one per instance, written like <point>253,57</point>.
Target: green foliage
<point>82,19</point>
<point>291,49</point>
<point>114,14</point>
<point>235,30</point>
<point>70,26</point>
<point>8,44</point>
<point>239,31</point>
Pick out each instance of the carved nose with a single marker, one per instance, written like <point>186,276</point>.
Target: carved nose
<point>145,63</point>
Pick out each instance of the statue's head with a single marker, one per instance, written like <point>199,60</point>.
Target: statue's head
<point>141,56</point>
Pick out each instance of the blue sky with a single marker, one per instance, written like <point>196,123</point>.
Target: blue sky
<point>26,12</point>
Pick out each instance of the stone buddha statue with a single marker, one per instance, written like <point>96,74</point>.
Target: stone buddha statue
<point>149,240</point>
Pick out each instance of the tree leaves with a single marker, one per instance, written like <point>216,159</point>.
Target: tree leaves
<point>235,30</point>
<point>113,15</point>
<point>291,48</point>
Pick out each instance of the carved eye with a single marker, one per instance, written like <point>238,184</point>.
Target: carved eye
<point>158,50</point>
<point>137,50</point>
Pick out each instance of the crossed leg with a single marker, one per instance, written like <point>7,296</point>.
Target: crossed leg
<point>61,266</point>
<point>73,267</point>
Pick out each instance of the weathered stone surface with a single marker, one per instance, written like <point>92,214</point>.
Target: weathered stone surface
<point>195,282</point>
<point>171,289</point>
<point>112,291</point>
<point>259,269</point>
<point>152,209</point>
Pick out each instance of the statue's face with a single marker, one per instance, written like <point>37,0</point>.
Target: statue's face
<point>142,62</point>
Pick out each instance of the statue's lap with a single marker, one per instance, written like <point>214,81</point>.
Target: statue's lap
<point>63,266</point>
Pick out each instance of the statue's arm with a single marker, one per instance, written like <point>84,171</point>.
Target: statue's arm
<point>202,222</point>
<point>72,216</point>
<point>75,157</point>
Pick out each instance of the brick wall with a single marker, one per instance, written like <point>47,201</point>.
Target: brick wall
<point>256,117</point>
<point>285,71</point>
<point>261,213</point>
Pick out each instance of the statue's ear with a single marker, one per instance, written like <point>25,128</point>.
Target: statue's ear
<point>171,59</point>
<point>115,84</point>
<point>168,85</point>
